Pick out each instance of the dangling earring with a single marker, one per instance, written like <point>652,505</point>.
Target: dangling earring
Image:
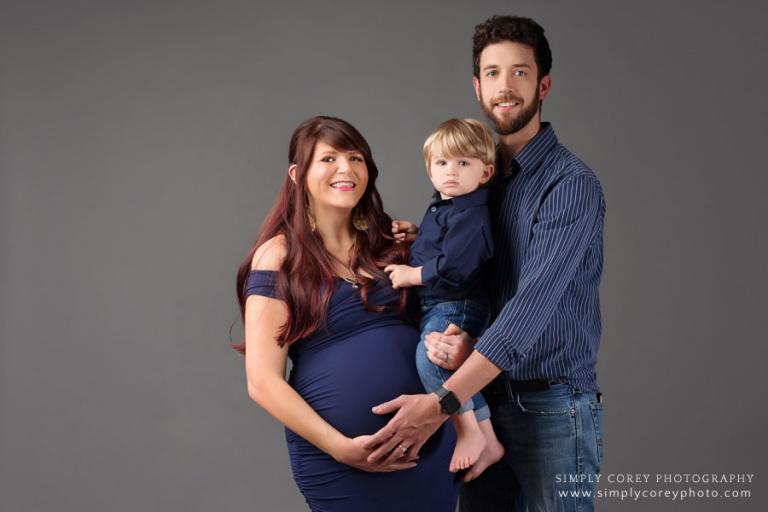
<point>358,220</point>
<point>310,218</point>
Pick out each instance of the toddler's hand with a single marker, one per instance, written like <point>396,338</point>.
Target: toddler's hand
<point>403,276</point>
<point>404,231</point>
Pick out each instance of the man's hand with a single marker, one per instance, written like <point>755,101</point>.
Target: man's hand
<point>403,276</point>
<point>404,231</point>
<point>417,418</point>
<point>449,349</point>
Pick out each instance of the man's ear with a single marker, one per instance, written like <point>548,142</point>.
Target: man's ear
<point>476,85</point>
<point>544,86</point>
<point>292,172</point>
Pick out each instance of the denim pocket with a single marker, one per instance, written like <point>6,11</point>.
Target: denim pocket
<point>442,307</point>
<point>597,417</point>
<point>554,402</point>
<point>438,315</point>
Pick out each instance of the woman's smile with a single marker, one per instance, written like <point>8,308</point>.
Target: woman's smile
<point>343,186</point>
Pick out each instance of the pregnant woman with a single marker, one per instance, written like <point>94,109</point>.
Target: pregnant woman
<point>313,289</point>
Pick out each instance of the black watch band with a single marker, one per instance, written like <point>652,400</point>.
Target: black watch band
<point>449,404</point>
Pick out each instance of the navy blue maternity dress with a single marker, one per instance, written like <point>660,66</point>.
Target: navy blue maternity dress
<point>363,359</point>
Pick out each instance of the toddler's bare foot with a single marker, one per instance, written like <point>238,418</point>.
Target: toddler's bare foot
<point>493,452</point>
<point>470,442</point>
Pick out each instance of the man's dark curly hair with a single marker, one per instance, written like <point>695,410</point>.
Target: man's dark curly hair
<point>497,29</point>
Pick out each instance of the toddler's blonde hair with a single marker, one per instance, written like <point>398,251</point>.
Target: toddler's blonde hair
<point>461,137</point>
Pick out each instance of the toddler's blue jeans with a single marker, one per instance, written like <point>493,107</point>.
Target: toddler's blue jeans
<point>472,316</point>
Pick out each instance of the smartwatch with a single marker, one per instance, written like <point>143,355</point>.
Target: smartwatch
<point>449,404</point>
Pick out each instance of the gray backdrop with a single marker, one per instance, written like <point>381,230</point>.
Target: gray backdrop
<point>142,142</point>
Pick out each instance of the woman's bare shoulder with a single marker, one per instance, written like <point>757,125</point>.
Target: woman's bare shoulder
<point>271,254</point>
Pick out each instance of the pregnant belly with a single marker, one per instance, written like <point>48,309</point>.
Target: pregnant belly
<point>343,378</point>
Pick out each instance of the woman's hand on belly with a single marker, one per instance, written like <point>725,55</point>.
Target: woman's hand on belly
<point>353,453</point>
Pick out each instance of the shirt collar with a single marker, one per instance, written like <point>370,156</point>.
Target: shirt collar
<point>532,154</point>
<point>477,198</point>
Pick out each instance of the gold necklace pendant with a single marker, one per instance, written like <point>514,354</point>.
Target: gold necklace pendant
<point>355,284</point>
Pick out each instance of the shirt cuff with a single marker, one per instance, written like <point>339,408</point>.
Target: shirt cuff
<point>429,271</point>
<point>492,346</point>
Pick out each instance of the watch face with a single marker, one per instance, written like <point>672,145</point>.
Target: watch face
<point>449,403</point>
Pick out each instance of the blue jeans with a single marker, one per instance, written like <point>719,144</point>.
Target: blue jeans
<point>437,314</point>
<point>554,447</point>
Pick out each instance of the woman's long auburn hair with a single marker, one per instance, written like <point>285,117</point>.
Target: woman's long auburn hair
<point>306,279</point>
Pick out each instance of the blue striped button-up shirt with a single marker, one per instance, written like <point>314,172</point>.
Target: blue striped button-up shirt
<point>548,210</point>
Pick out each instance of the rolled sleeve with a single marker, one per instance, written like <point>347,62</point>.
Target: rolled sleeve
<point>566,223</point>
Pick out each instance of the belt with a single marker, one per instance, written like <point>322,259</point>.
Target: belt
<point>502,386</point>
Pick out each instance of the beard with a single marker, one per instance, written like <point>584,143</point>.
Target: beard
<point>507,125</point>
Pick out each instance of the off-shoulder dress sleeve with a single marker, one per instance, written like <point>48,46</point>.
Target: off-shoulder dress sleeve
<point>262,282</point>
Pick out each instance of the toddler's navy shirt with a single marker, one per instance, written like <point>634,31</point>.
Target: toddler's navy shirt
<point>454,242</point>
